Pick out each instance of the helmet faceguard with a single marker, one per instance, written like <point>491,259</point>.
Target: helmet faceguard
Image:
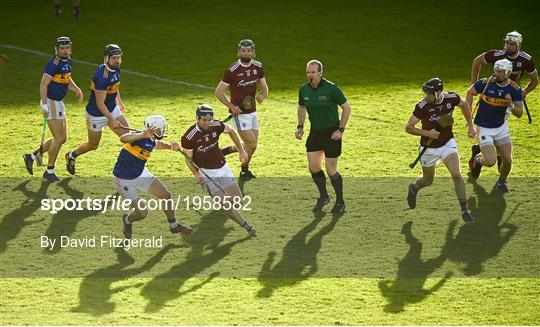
<point>433,85</point>
<point>204,110</point>
<point>159,122</point>
<point>512,43</point>
<point>503,64</point>
<point>514,37</point>
<point>111,50</point>
<point>63,41</point>
<point>246,44</point>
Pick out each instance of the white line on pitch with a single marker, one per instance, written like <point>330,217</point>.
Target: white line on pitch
<point>131,72</point>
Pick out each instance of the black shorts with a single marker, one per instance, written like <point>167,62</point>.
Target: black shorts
<point>322,141</point>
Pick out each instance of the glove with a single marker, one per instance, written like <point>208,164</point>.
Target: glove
<point>44,108</point>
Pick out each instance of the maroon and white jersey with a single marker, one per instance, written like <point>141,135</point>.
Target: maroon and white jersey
<point>520,64</point>
<point>430,113</point>
<point>242,81</point>
<point>205,145</point>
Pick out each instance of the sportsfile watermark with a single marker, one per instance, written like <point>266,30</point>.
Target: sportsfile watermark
<point>118,203</point>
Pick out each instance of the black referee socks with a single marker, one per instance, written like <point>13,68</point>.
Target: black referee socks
<point>320,180</point>
<point>337,183</point>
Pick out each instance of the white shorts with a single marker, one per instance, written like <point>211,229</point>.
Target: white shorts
<point>223,177</point>
<point>244,122</point>
<point>433,156</point>
<point>97,124</point>
<point>129,187</point>
<point>494,136</point>
<point>57,109</point>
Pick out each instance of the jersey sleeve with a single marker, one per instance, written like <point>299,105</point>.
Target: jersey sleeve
<point>300,98</point>
<point>489,56</point>
<point>479,86</point>
<point>530,67</point>
<point>221,127</point>
<point>51,68</point>
<point>100,82</point>
<point>228,77</point>
<point>455,100</point>
<point>339,97</point>
<point>186,144</point>
<point>260,72</point>
<point>517,94</point>
<point>418,112</point>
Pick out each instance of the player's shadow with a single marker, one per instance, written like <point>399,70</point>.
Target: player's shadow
<point>474,244</point>
<point>13,222</point>
<point>299,258</point>
<point>96,289</point>
<point>413,271</point>
<point>206,251</point>
<point>64,222</point>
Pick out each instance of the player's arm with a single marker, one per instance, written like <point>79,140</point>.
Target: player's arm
<point>75,88</point>
<point>532,83</point>
<point>471,93</point>
<point>100,102</point>
<point>516,108</point>
<point>466,111</point>
<point>43,85</point>
<point>410,127</point>
<point>135,136</point>
<point>476,66</point>
<point>189,161</point>
<point>162,145</point>
<point>220,92</point>
<point>263,90</point>
<point>301,120</point>
<point>236,140</point>
<point>119,101</point>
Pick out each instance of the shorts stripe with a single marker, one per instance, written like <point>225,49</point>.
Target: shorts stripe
<point>238,125</point>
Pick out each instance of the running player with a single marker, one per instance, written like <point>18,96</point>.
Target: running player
<point>131,175</point>
<point>439,140</point>
<point>200,143</point>
<point>55,82</point>
<point>522,62</point>
<point>104,107</point>
<point>241,80</point>
<point>500,97</point>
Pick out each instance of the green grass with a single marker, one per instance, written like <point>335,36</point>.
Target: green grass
<point>368,267</point>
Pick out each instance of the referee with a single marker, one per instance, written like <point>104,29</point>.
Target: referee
<point>320,98</point>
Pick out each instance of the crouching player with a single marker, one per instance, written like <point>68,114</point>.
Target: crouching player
<point>435,113</point>
<point>207,163</point>
<point>131,175</point>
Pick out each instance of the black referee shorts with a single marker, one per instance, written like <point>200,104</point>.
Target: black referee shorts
<point>322,141</point>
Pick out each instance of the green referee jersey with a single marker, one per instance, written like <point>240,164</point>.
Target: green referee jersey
<point>321,103</point>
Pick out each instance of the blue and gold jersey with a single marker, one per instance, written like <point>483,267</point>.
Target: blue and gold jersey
<point>132,158</point>
<point>493,103</point>
<point>104,79</point>
<point>60,71</point>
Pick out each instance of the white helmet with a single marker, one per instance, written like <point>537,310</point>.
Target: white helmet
<point>514,37</point>
<point>503,64</point>
<point>159,122</point>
